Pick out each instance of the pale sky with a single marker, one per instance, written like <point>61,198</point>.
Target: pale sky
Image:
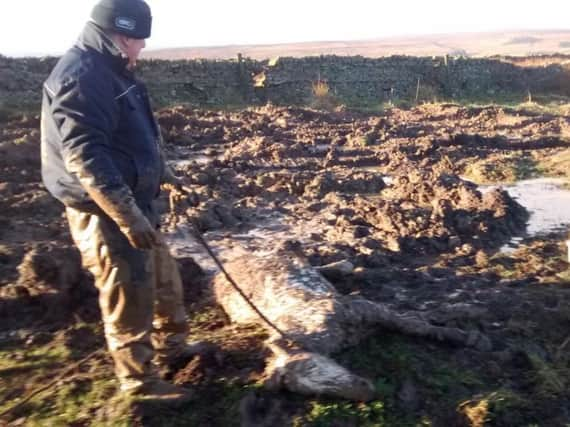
<point>42,27</point>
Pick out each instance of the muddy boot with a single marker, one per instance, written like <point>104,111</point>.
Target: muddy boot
<point>159,391</point>
<point>168,364</point>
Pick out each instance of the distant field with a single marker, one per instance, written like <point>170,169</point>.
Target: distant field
<point>520,43</point>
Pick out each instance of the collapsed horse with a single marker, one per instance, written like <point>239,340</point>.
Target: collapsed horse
<point>306,318</point>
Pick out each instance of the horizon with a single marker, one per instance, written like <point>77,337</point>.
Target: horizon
<point>395,37</point>
<point>463,34</point>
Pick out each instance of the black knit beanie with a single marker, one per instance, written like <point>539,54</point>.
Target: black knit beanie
<point>129,17</point>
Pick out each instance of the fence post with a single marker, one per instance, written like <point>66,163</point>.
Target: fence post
<point>418,90</point>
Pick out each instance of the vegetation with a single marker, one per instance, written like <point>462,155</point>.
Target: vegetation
<point>322,97</point>
<point>505,169</point>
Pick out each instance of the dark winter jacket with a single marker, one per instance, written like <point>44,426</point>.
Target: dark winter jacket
<point>98,130</point>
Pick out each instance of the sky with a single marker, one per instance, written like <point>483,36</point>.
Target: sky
<point>49,27</point>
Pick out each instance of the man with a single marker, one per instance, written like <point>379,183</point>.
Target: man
<point>101,157</point>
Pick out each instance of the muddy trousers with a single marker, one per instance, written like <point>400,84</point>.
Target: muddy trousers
<point>140,296</point>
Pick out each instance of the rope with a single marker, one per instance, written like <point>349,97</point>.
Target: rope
<point>177,195</point>
<point>236,286</point>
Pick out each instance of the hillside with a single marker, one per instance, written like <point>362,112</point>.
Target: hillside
<point>519,43</point>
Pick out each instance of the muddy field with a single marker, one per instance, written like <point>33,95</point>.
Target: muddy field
<point>398,195</point>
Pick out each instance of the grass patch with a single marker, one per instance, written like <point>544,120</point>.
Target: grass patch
<point>554,106</point>
<point>12,107</point>
<point>215,405</point>
<point>505,169</point>
<point>76,399</point>
<point>557,164</point>
<point>391,360</point>
<point>326,414</point>
<point>517,102</point>
<point>8,113</point>
<point>550,380</point>
<point>322,96</point>
<point>48,355</point>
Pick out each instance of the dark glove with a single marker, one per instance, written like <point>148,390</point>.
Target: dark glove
<point>139,232</point>
<point>121,208</point>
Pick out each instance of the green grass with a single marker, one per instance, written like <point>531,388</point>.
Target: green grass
<point>8,112</point>
<point>77,397</point>
<point>163,96</point>
<point>81,401</point>
<point>548,105</point>
<point>390,360</point>
<point>557,164</point>
<point>506,169</point>
<point>215,405</point>
<point>542,104</point>
<point>13,107</point>
<point>549,379</point>
<point>39,359</point>
<point>326,414</point>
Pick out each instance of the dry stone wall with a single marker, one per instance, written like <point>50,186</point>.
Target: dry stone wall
<point>353,80</point>
<point>368,80</point>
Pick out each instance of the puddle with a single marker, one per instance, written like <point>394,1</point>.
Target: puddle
<point>200,160</point>
<point>194,159</point>
<point>547,202</point>
<point>388,179</point>
<point>186,158</point>
<point>320,148</point>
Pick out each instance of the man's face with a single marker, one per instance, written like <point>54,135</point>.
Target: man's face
<point>132,48</point>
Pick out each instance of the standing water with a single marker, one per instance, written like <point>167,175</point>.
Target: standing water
<point>547,202</point>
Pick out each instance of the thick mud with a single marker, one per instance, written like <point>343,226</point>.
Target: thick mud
<point>383,192</point>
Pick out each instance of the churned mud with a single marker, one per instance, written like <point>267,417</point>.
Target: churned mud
<point>409,198</point>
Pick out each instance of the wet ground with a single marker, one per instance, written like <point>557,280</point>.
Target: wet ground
<point>405,196</point>
<point>547,201</point>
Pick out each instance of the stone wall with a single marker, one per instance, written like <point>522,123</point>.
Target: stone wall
<point>367,80</point>
<point>21,81</point>
<point>353,80</point>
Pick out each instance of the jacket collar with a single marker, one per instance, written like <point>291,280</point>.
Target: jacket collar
<point>93,38</point>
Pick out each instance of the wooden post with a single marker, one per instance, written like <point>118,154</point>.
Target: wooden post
<point>242,77</point>
<point>418,90</point>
